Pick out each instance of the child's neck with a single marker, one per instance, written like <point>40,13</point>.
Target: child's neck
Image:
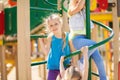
<point>58,35</point>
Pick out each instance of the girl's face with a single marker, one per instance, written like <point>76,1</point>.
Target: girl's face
<point>72,71</point>
<point>54,25</point>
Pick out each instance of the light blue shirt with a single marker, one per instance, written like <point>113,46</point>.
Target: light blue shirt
<point>56,51</point>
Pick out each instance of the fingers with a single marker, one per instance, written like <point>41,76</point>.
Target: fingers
<point>84,50</point>
<point>62,59</point>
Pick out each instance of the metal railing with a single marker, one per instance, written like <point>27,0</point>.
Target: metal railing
<point>90,47</point>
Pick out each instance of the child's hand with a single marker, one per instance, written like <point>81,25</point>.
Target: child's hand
<point>62,59</point>
<point>84,50</point>
<point>69,13</point>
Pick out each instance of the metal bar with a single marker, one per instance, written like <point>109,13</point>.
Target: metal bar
<point>50,3</point>
<point>42,9</point>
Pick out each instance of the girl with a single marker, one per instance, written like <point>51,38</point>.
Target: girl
<point>73,72</point>
<point>56,45</point>
<point>78,32</point>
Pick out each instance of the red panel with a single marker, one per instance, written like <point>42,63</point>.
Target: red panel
<point>103,4</point>
<point>12,3</point>
<point>2,24</point>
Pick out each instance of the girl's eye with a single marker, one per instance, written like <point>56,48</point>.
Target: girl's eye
<point>76,1</point>
<point>56,24</point>
<point>51,25</point>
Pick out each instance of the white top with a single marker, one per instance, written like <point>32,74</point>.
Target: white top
<point>81,66</point>
<point>77,22</point>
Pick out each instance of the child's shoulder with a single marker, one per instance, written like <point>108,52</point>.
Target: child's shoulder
<point>50,36</point>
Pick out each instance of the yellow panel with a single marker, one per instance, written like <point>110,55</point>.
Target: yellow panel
<point>101,16</point>
<point>37,59</point>
<point>1,42</point>
<point>93,5</point>
<point>119,18</point>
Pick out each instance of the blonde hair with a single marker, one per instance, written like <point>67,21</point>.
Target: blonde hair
<point>52,17</point>
<point>72,73</point>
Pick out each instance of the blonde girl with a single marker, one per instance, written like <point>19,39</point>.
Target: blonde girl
<point>57,45</point>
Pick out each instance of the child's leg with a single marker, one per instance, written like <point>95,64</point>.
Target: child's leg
<point>100,65</point>
<point>79,42</point>
<point>52,74</point>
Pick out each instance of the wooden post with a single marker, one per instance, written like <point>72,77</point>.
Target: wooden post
<point>115,40</point>
<point>2,62</point>
<point>119,71</point>
<point>23,35</point>
<point>65,19</point>
<point>2,53</point>
<point>94,36</point>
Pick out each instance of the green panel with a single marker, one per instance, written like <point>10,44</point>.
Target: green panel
<point>10,21</point>
<point>43,3</point>
<point>37,15</point>
<point>39,9</point>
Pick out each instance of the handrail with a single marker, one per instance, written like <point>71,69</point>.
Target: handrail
<point>50,3</point>
<point>38,63</point>
<point>97,44</point>
<point>31,36</point>
<point>90,47</point>
<point>64,9</point>
<point>95,74</point>
<point>43,9</point>
<point>38,36</point>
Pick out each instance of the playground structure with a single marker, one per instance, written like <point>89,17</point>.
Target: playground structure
<point>35,21</point>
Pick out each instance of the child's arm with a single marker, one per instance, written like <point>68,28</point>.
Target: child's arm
<point>62,69</point>
<point>72,48</point>
<point>76,57</point>
<point>75,7</point>
<point>45,47</point>
<point>85,54</point>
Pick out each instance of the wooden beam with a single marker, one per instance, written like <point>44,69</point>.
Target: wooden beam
<point>23,56</point>
<point>115,40</point>
<point>36,29</point>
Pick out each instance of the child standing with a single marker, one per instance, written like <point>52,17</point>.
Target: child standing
<point>57,45</point>
<point>77,23</point>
